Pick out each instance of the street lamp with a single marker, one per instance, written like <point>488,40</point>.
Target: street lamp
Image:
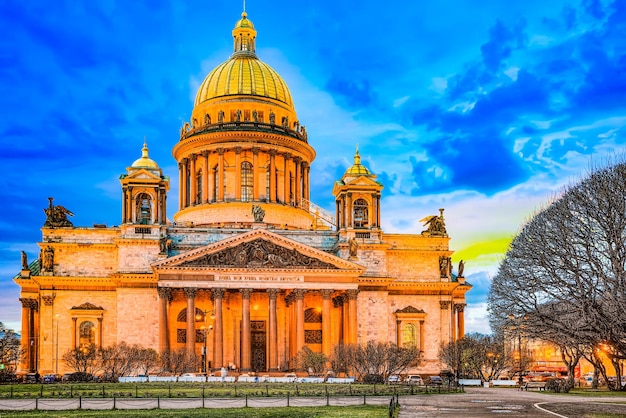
<point>206,329</point>
<point>56,369</point>
<point>518,327</point>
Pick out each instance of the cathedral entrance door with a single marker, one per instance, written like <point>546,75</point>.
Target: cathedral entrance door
<point>259,344</point>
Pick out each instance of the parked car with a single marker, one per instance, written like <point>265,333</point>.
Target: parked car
<point>394,378</point>
<point>31,378</point>
<point>414,379</point>
<point>51,378</point>
<point>435,380</point>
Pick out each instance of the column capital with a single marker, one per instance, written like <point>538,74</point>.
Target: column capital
<point>245,293</point>
<point>444,304</point>
<point>237,150</point>
<point>165,293</point>
<point>29,303</point>
<point>193,157</point>
<point>297,160</point>
<point>220,151</point>
<point>272,152</point>
<point>352,294</point>
<point>205,153</point>
<point>273,293</point>
<point>286,155</point>
<point>338,301</point>
<point>299,293</point>
<point>218,292</point>
<point>190,292</point>
<point>326,293</point>
<point>48,300</point>
<point>459,307</point>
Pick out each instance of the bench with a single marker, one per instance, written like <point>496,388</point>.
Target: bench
<point>470,382</point>
<point>504,382</point>
<point>534,385</point>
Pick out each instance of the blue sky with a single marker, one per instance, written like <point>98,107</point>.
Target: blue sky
<point>486,109</point>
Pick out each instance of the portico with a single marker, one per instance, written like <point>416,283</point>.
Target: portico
<point>259,286</point>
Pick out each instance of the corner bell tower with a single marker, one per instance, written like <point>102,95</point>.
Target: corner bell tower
<point>357,198</point>
<point>144,192</point>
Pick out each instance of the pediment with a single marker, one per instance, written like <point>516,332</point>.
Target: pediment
<point>362,181</point>
<point>259,250</point>
<point>410,309</point>
<point>142,174</point>
<point>88,306</point>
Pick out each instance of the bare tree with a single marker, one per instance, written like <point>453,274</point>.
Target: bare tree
<point>382,359</point>
<point>84,359</point>
<point>342,358</point>
<point>314,362</point>
<point>179,361</point>
<point>10,350</point>
<point>147,360</point>
<point>478,356</point>
<point>564,271</point>
<point>118,360</point>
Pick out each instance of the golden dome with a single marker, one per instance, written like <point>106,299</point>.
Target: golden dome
<point>357,168</point>
<point>244,73</point>
<point>145,161</point>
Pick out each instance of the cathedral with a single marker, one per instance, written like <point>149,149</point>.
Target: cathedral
<point>250,269</point>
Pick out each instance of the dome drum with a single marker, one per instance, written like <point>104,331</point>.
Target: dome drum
<point>239,215</point>
<point>208,125</point>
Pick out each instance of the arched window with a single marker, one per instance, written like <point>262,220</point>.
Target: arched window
<point>291,189</point>
<point>188,186</point>
<point>199,187</point>
<point>246,181</point>
<point>87,334</point>
<point>360,214</point>
<point>267,184</point>
<point>143,210</point>
<point>215,182</point>
<point>181,333</point>
<point>409,335</point>
<point>313,316</point>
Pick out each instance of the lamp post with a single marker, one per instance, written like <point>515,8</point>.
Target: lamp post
<point>56,367</point>
<point>206,329</point>
<point>518,327</point>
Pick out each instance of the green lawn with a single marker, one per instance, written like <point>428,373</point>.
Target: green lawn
<point>198,390</point>
<point>300,412</point>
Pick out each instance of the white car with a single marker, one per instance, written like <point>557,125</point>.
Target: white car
<point>394,378</point>
<point>414,379</point>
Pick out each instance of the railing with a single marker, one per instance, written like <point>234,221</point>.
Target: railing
<point>318,212</point>
<point>300,134</point>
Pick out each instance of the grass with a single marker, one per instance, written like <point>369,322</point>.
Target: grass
<point>199,390</point>
<point>595,393</point>
<point>364,411</point>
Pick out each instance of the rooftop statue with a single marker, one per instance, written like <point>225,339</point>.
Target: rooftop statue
<point>56,216</point>
<point>435,225</point>
<point>258,213</point>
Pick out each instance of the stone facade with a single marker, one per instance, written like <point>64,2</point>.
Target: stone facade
<point>248,253</point>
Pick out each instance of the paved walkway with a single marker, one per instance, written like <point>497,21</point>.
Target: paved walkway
<point>485,402</point>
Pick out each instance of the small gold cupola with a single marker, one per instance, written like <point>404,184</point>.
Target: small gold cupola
<point>145,161</point>
<point>244,36</point>
<point>357,168</point>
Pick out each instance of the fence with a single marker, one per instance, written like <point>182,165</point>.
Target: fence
<point>80,403</point>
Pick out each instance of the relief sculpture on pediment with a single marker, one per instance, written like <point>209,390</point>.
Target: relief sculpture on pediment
<point>259,253</point>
